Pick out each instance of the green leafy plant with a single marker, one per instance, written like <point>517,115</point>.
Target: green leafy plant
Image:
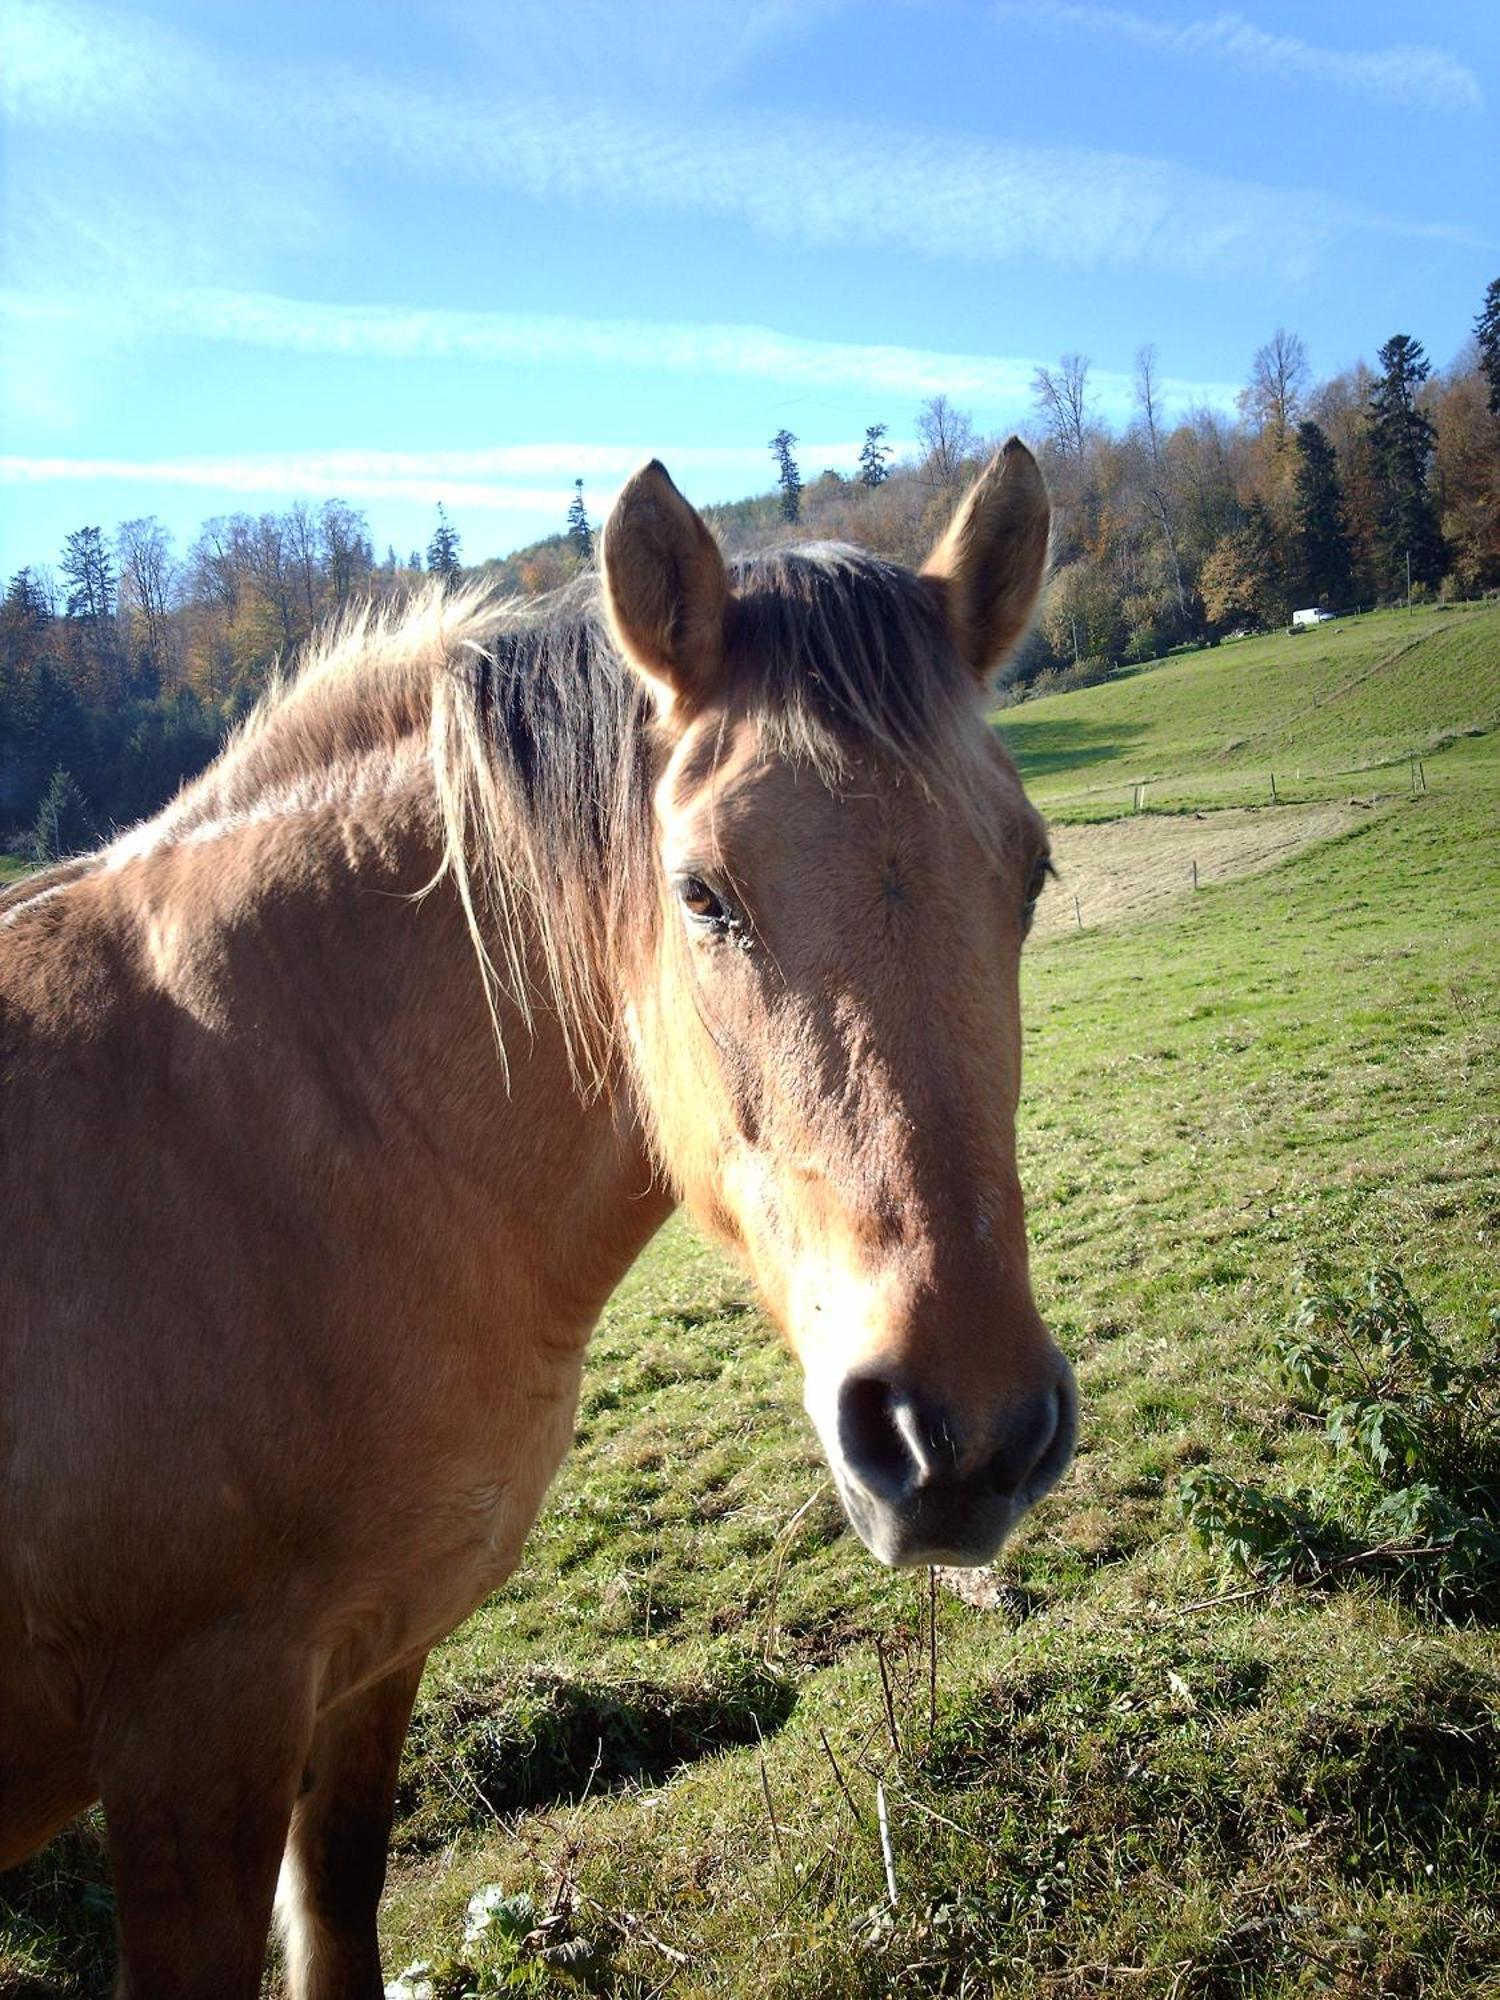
<point>1410,1490</point>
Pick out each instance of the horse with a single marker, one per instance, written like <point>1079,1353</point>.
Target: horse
<point>337,1098</point>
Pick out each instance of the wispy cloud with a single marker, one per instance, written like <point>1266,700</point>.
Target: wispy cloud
<point>1400,74</point>
<point>812,182</point>
<point>999,385</point>
<point>485,480</point>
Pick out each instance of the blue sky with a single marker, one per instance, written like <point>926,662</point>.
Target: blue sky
<point>256,252</point>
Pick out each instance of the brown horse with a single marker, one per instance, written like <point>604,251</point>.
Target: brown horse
<point>297,1274</point>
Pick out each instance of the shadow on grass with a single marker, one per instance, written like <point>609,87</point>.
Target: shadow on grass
<point>542,1740</point>
<point>57,1930</point>
<point>1049,744</point>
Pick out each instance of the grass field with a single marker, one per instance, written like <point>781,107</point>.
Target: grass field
<point>1112,1766</point>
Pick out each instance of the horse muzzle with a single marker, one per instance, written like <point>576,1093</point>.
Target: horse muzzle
<point>920,1486</point>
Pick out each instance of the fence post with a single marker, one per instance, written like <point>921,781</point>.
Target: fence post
<point>1078,913</point>
<point>1195,874</point>
<point>1274,799</point>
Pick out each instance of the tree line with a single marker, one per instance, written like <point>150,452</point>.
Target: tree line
<point>121,669</point>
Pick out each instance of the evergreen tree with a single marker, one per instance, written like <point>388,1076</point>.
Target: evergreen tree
<point>1322,564</point>
<point>1487,331</point>
<point>1402,437</point>
<point>442,550</point>
<point>874,469</point>
<point>62,822</point>
<point>90,575</point>
<point>25,614</point>
<point>788,478</point>
<point>580,534</point>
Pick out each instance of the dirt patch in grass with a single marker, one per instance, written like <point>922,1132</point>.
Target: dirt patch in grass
<point>1124,869</point>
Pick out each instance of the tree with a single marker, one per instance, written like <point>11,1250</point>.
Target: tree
<point>1487,332</point>
<point>348,556</point>
<point>873,457</point>
<point>62,822</point>
<point>442,550</point>
<point>788,478</point>
<point>1466,471</point>
<point>1242,575</point>
<point>1322,560</point>
<point>90,576</point>
<point>1272,399</point>
<point>580,534</point>
<point>1402,436</point>
<point>1061,400</point>
<point>143,549</point>
<point>947,438</point>
<point>1147,402</point>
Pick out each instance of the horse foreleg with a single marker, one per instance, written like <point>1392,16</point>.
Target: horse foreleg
<point>335,1861</point>
<point>198,1763</point>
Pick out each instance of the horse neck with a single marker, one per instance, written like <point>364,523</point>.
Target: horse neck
<point>351,1031</point>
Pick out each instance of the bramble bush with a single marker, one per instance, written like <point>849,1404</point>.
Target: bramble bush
<point>1409,1491</point>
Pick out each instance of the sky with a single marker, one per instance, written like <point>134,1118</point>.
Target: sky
<point>253,252</point>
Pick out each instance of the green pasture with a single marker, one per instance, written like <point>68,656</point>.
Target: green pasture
<point>1337,709</point>
<point>1114,1765</point>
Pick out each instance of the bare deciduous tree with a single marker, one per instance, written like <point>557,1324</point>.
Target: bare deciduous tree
<point>143,551</point>
<point>1061,400</point>
<point>947,438</point>
<point>1158,494</point>
<point>1272,399</point>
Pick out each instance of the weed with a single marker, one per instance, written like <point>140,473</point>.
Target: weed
<point>1409,1490</point>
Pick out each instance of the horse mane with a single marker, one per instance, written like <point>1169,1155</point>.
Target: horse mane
<point>543,748</point>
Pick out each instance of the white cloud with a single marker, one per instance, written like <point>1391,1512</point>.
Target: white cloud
<point>474,480</point>
<point>998,385</point>
<point>1401,74</point>
<point>812,182</point>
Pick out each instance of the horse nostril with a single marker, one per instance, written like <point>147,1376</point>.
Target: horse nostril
<point>1038,1442</point>
<point>873,1441</point>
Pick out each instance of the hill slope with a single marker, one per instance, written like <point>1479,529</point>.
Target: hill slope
<point>1212,727</point>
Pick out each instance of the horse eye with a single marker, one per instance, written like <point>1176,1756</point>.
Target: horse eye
<point>1034,887</point>
<point>699,900</point>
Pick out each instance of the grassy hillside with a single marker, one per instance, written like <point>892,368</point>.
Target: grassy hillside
<point>1318,710</point>
<point>1117,1764</point>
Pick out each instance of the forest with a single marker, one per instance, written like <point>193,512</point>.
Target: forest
<point>124,661</point>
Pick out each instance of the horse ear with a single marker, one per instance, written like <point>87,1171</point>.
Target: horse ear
<point>989,565</point>
<point>665,588</point>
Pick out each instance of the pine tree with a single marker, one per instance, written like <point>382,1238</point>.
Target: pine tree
<point>788,478</point>
<point>62,822</point>
<point>873,467</point>
<point>1322,556</point>
<point>580,534</point>
<point>1402,437</point>
<point>442,550</point>
<point>1487,331</point>
<point>90,575</point>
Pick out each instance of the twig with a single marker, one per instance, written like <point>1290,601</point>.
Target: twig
<point>765,1785</point>
<point>890,1706</point>
<point>1392,1548</point>
<point>952,1824</point>
<point>839,1776</point>
<point>783,1547</point>
<point>931,1653</point>
<point>885,1843</point>
<point>1232,1597</point>
<point>630,1926</point>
